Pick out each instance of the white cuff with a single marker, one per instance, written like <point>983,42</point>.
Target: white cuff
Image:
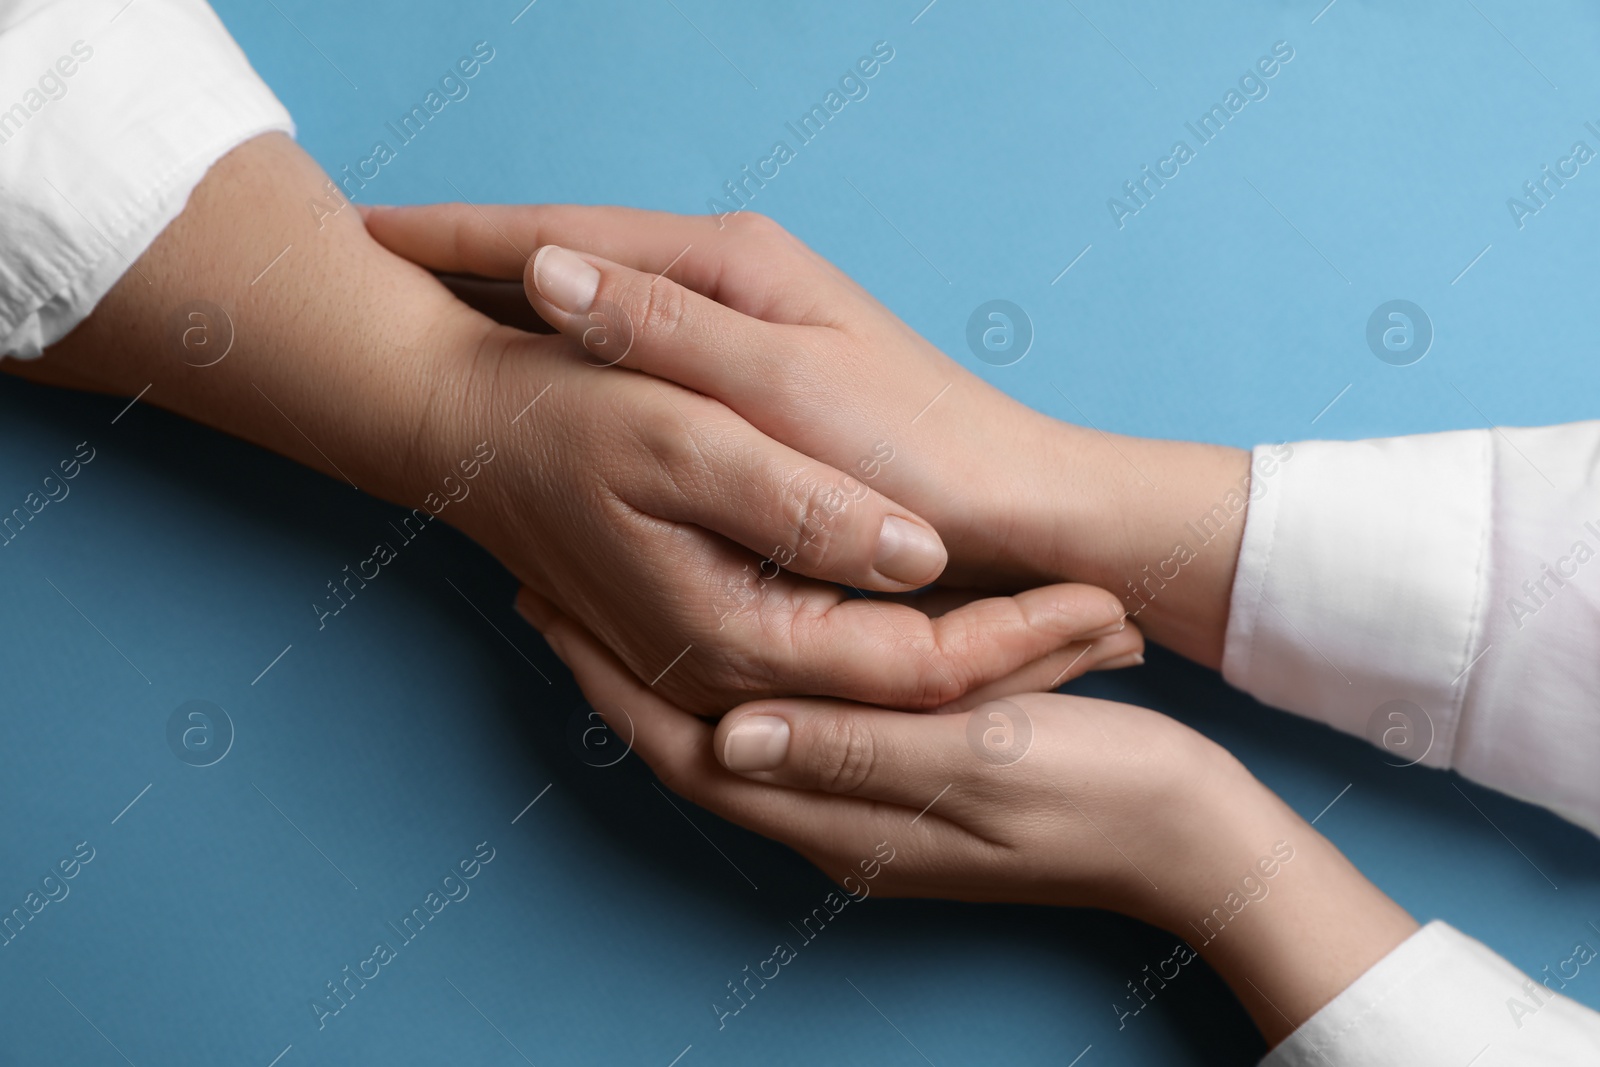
<point>1439,595</point>
<point>1442,999</point>
<point>95,163</point>
<point>1361,581</point>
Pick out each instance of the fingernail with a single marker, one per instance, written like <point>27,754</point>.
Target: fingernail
<point>1132,659</point>
<point>565,279</point>
<point>908,553</point>
<point>1104,631</point>
<point>756,743</point>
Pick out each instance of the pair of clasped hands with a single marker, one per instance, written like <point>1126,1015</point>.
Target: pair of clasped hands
<point>726,441</point>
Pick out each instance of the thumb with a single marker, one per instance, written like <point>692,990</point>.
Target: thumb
<point>834,747</point>
<point>670,332</point>
<point>650,323</point>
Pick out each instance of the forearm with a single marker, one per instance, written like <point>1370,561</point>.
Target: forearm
<point>342,355</point>
<point>1285,919</point>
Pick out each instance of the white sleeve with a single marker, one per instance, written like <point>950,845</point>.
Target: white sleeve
<point>110,114</point>
<point>1441,999</point>
<point>1439,595</point>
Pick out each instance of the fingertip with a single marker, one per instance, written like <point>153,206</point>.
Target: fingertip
<point>563,278</point>
<point>384,212</point>
<point>1109,609</point>
<point>754,742</point>
<point>1124,648</point>
<point>909,554</point>
<point>556,629</point>
<point>1105,631</point>
<point>1083,612</point>
<point>535,610</point>
<point>1130,659</point>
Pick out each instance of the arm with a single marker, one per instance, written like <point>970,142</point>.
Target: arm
<point>1041,799</point>
<point>343,357</point>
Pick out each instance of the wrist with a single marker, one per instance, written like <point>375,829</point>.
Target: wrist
<point>461,396</point>
<point>1053,502</point>
<point>1158,523</point>
<point>1281,915</point>
<point>341,356</point>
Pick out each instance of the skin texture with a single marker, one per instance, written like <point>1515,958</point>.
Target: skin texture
<point>630,506</point>
<point>1108,806</point>
<point>750,316</point>
<point>642,508</point>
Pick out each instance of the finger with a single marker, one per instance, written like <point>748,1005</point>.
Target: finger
<point>650,323</point>
<point>1108,648</point>
<point>678,748</point>
<point>801,515</point>
<point>747,262</point>
<point>894,655</point>
<point>456,238</point>
<point>663,736</point>
<point>1124,648</point>
<point>848,749</point>
<point>536,609</point>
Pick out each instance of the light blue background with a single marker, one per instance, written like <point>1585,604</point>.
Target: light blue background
<point>408,730</point>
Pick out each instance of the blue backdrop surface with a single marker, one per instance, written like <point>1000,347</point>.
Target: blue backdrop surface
<point>986,160</point>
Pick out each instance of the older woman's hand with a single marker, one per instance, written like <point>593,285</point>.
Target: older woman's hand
<point>743,312</point>
<point>644,509</point>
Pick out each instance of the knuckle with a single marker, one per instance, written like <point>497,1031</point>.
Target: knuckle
<point>816,511</point>
<point>659,430</point>
<point>661,307</point>
<point>842,754</point>
<point>684,465</point>
<point>945,679</point>
<point>745,672</point>
<point>662,433</point>
<point>752,225</point>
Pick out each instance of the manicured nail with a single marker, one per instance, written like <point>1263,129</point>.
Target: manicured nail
<point>908,553</point>
<point>1105,631</point>
<point>1132,659</point>
<point>756,743</point>
<point>565,279</point>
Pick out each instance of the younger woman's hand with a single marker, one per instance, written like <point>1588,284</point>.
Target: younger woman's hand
<point>1034,798</point>
<point>1038,798</point>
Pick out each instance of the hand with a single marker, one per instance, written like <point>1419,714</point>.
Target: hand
<point>773,331</point>
<point>625,501</point>
<point>1039,799</point>
<point>800,351</point>
<point>641,508</point>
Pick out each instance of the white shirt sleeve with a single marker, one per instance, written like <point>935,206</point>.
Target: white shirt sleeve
<point>1441,999</point>
<point>1439,595</point>
<point>110,114</point>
